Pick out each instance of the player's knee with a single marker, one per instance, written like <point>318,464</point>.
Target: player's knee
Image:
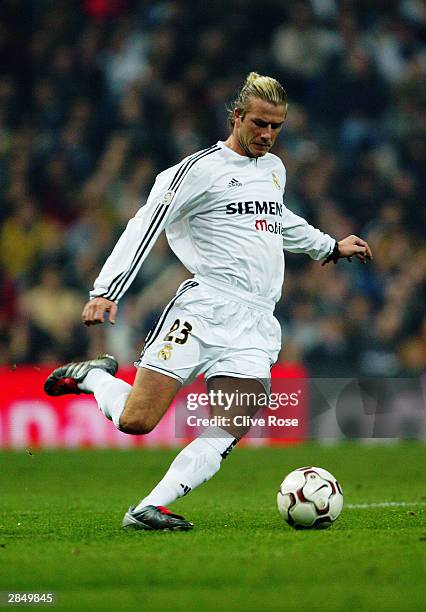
<point>136,425</point>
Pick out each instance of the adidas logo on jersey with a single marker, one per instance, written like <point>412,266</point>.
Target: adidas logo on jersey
<point>234,183</point>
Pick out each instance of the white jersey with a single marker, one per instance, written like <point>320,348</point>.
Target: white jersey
<point>225,220</point>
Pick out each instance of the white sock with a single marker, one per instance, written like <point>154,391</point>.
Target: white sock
<point>110,393</point>
<point>195,464</point>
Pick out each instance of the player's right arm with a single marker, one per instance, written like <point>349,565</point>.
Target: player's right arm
<point>124,262</point>
<point>130,251</point>
<point>173,194</point>
<point>95,310</point>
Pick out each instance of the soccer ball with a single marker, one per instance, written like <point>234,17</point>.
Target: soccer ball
<point>310,498</point>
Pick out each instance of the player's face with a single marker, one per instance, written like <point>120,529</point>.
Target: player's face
<point>258,129</point>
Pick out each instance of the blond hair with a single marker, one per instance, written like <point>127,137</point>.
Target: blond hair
<point>257,86</point>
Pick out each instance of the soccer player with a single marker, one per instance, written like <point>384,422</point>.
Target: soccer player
<point>224,216</point>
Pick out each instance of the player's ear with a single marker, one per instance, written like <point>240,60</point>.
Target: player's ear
<point>238,116</point>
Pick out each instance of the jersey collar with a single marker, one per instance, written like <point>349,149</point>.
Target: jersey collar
<point>230,154</point>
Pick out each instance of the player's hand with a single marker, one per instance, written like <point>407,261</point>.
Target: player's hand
<point>352,245</point>
<point>95,310</point>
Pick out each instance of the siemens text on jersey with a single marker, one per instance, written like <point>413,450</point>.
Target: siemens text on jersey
<point>254,208</point>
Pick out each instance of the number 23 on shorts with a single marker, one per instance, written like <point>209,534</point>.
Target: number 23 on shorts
<point>178,333</point>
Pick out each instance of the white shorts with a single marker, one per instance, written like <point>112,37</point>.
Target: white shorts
<point>215,330</point>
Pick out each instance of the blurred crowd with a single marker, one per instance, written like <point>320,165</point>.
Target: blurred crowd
<point>97,96</point>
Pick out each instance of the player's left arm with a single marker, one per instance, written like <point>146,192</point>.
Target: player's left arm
<point>349,247</point>
<point>300,237</point>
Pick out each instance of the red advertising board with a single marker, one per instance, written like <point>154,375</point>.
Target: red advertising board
<point>29,418</point>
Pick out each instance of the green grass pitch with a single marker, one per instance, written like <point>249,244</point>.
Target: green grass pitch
<point>60,514</point>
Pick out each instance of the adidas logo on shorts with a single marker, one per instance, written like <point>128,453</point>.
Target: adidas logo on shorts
<point>234,183</point>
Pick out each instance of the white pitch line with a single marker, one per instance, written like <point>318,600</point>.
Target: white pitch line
<point>384,505</point>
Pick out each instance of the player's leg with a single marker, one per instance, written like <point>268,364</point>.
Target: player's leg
<point>137,409</point>
<point>236,398</point>
<point>196,463</point>
<point>151,396</point>
<point>133,409</point>
<point>246,341</point>
<point>201,459</point>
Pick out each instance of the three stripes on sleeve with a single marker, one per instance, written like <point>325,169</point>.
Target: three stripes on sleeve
<point>121,282</point>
